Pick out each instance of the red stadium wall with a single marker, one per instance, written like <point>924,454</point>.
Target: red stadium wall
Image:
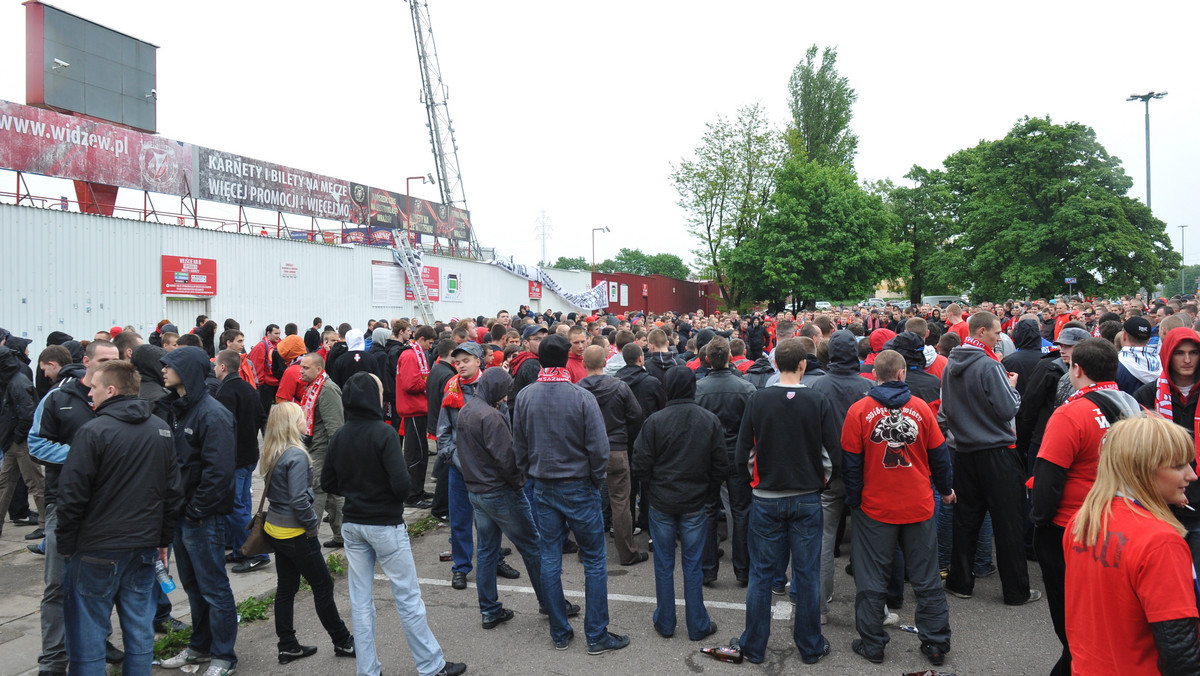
<point>656,293</point>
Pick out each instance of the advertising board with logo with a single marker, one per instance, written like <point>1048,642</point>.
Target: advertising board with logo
<point>189,277</point>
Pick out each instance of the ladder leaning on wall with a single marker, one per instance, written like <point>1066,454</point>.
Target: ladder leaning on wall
<point>410,261</point>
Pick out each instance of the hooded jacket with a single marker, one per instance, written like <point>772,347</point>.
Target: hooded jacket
<point>205,445</point>
<point>1028,342</point>
<point>621,411</point>
<point>842,385</point>
<point>120,487</point>
<point>365,462</point>
<point>147,359</point>
<point>658,363</point>
<point>891,454</point>
<point>762,370</point>
<point>925,386</point>
<point>409,385</point>
<point>648,391</point>
<point>525,368</point>
<point>57,418</point>
<point>1183,409</point>
<point>484,438</point>
<point>680,453</point>
<point>249,419</point>
<point>17,398</point>
<point>1038,404</point>
<point>978,404</point>
<point>355,360</point>
<point>725,395</point>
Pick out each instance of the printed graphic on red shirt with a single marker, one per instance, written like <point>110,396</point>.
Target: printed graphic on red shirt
<point>894,443</point>
<point>896,431</point>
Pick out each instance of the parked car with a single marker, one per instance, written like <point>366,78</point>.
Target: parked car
<point>824,305</point>
<point>873,302</point>
<point>940,301</point>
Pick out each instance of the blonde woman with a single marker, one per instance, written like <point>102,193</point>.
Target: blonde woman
<point>292,529</point>
<point>1131,604</point>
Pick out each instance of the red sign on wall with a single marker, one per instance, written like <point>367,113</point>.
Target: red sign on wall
<point>535,290</point>
<point>186,276</point>
<point>645,290</point>
<point>429,275</point>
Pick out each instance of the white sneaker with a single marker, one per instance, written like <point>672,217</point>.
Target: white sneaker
<point>185,656</point>
<point>890,619</point>
<point>214,670</point>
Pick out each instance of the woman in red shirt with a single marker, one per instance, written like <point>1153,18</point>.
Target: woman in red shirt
<point>1131,605</point>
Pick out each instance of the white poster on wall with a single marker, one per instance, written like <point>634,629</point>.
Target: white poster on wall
<point>387,284</point>
<point>624,295</point>
<point>613,294</point>
<point>452,290</point>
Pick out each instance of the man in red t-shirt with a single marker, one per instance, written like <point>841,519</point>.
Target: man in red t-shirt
<point>1066,465</point>
<point>954,320</point>
<point>891,447</point>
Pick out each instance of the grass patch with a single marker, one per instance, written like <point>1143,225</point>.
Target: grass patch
<point>170,644</point>
<point>336,563</point>
<point>255,608</point>
<point>421,526</point>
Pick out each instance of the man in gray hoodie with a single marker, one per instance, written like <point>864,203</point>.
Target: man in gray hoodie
<point>979,402</point>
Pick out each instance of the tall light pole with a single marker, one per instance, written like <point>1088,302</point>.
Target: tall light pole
<point>1182,265</point>
<point>594,231</point>
<point>1145,98</point>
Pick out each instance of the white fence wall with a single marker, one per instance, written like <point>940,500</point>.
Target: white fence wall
<point>79,273</point>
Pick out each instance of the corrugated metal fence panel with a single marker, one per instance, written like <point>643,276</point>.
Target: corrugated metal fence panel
<point>80,273</point>
<point>664,293</point>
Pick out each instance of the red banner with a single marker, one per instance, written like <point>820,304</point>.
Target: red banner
<point>535,290</point>
<point>52,144</point>
<point>186,276</point>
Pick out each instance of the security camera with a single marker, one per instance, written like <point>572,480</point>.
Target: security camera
<point>59,63</point>
<point>153,94</point>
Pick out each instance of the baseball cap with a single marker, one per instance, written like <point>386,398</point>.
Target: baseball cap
<point>532,330</point>
<point>1072,336</point>
<point>1137,327</point>
<point>472,349</point>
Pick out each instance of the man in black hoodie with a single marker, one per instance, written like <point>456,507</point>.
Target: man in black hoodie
<point>17,403</point>
<point>783,441</point>
<point>842,386</point>
<point>680,455</point>
<point>660,360</point>
<point>1028,340</point>
<point>622,414</point>
<point>650,395</point>
<point>204,445</point>
<point>365,465</point>
<point>120,493</point>
<point>249,420</point>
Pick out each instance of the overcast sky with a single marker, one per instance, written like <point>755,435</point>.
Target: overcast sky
<point>580,109</point>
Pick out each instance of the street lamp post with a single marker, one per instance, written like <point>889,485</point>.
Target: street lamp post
<point>1181,261</point>
<point>1145,98</point>
<point>594,231</point>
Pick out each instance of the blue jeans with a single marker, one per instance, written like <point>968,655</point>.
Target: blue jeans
<point>692,530</point>
<point>94,582</point>
<point>462,515</point>
<point>504,511</point>
<point>944,517</point>
<point>389,546</point>
<point>243,509</point>
<point>575,505</point>
<point>780,527</point>
<point>200,562</point>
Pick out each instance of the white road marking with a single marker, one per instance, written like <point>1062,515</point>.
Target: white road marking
<point>781,610</point>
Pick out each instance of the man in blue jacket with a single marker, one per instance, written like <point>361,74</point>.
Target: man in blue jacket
<point>205,446</point>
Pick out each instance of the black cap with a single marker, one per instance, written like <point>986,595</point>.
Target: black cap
<point>531,330</point>
<point>553,351</point>
<point>1138,327</point>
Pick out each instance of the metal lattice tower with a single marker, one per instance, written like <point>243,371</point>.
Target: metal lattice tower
<point>543,228</point>
<point>434,95</point>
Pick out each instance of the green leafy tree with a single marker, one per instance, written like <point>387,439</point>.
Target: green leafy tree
<point>634,262</point>
<point>821,102</point>
<point>579,263</point>
<point>925,227</point>
<point>668,265</point>
<point>825,237</point>
<point>725,189</point>
<point>1190,274</point>
<point>1046,202</point>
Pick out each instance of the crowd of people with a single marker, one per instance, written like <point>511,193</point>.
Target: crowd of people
<point>952,442</point>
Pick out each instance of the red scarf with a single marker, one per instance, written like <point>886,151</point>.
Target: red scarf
<point>422,362</point>
<point>455,398</point>
<point>309,402</point>
<point>554,375</point>
<point>974,342</point>
<point>1093,388</point>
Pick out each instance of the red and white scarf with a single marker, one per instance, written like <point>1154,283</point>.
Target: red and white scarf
<point>1164,406</point>
<point>1094,387</point>
<point>454,397</point>
<point>554,375</point>
<point>422,362</point>
<point>975,342</point>
<point>309,402</point>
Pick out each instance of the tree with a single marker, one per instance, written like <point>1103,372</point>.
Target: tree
<point>825,237</point>
<point>1047,202</point>
<point>821,101</point>
<point>725,190</point>
<point>579,263</point>
<point>925,227</point>
<point>634,262</point>
<point>1190,274</point>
